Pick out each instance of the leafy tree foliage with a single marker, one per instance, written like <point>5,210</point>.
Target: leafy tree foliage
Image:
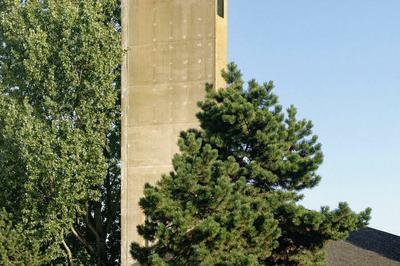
<point>15,247</point>
<point>233,197</point>
<point>59,129</point>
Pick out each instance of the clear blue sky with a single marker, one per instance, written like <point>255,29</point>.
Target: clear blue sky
<point>338,62</point>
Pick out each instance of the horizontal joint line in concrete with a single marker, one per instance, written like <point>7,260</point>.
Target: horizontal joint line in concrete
<point>171,42</point>
<point>163,124</point>
<point>150,166</point>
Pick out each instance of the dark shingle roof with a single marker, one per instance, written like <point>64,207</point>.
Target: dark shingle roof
<point>365,247</point>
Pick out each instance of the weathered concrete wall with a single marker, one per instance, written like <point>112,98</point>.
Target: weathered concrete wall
<point>173,48</point>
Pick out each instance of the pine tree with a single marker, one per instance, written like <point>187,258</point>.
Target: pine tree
<point>233,196</point>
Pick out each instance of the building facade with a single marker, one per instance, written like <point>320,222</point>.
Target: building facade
<point>173,48</point>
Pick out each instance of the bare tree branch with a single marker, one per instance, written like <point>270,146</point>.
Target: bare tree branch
<point>83,241</point>
<point>68,250</point>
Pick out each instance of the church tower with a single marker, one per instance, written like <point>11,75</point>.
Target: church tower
<point>173,47</point>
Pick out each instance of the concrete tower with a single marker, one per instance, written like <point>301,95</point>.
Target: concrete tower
<point>173,48</point>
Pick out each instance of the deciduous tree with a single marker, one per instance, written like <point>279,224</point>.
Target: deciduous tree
<point>59,127</point>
